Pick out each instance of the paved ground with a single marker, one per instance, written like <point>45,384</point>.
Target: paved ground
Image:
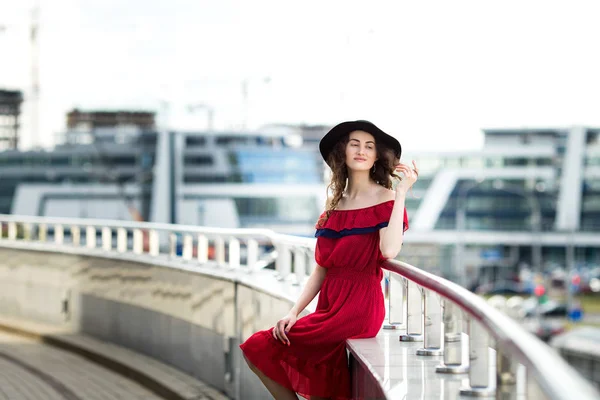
<point>33,371</point>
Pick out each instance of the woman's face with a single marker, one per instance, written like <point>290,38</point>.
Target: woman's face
<point>361,152</point>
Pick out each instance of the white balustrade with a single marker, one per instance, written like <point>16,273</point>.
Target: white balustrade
<point>234,253</point>
<point>251,253</point>
<point>106,238</point>
<point>188,247</point>
<point>299,266</point>
<point>27,231</point>
<point>153,242</point>
<point>138,241</point>
<point>12,230</point>
<point>121,240</point>
<point>75,235</point>
<point>283,264</point>
<point>220,250</point>
<point>202,249</point>
<point>90,237</point>
<point>42,232</point>
<point>59,234</point>
<point>172,245</point>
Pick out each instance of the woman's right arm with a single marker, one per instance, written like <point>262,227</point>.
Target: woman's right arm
<point>313,285</point>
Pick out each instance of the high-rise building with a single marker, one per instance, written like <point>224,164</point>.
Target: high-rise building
<point>10,111</point>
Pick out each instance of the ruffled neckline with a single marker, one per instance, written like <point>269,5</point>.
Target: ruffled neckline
<point>364,208</point>
<point>356,221</point>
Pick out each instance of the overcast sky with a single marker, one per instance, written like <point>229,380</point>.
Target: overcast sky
<point>431,73</point>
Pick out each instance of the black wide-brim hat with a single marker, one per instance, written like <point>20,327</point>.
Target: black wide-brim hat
<point>345,128</point>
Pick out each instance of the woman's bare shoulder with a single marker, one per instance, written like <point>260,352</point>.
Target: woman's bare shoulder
<point>386,195</point>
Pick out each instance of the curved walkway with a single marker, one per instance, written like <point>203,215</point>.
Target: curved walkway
<point>30,370</point>
<point>39,362</point>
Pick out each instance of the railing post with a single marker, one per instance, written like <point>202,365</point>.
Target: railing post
<point>75,235</point>
<point>453,362</point>
<point>106,238</point>
<point>432,336</point>
<point>153,243</point>
<point>138,241</point>
<point>251,254</point>
<point>234,253</point>
<point>27,231</point>
<point>121,240</point>
<point>506,375</point>
<point>188,246</point>
<point>479,357</point>
<point>414,316</point>
<point>283,264</point>
<point>299,266</point>
<point>172,245</point>
<point>532,388</point>
<point>220,250</point>
<point>12,230</point>
<point>42,232</point>
<point>90,237</point>
<point>59,234</point>
<point>202,249</point>
<point>396,302</point>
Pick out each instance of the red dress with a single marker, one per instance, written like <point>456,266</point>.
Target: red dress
<point>350,305</point>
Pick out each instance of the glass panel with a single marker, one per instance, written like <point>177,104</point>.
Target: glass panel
<point>284,166</point>
<point>290,209</point>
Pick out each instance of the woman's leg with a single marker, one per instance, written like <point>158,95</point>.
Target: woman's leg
<point>277,391</point>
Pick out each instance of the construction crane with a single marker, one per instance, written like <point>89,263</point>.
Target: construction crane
<point>35,72</point>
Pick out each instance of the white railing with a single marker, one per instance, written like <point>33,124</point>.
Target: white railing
<point>244,249</point>
<point>427,308</point>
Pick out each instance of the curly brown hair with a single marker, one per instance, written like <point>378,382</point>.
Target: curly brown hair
<point>384,172</point>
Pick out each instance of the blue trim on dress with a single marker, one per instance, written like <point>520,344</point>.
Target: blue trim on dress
<point>333,234</point>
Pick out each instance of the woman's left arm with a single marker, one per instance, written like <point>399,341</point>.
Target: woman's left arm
<point>391,238</point>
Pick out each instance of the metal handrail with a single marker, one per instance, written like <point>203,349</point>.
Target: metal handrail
<point>555,377</point>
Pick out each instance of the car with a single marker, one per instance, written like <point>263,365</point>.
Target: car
<point>544,329</point>
<point>550,308</point>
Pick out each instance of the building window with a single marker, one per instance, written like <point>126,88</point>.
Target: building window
<point>265,209</point>
<point>122,160</point>
<point>195,141</point>
<point>59,161</point>
<point>189,178</point>
<point>198,160</point>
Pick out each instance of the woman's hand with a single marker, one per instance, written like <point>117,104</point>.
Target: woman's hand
<point>283,326</point>
<point>410,177</point>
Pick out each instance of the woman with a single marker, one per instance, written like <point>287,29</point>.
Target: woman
<point>362,226</point>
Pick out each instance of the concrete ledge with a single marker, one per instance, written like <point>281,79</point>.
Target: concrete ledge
<point>161,379</point>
